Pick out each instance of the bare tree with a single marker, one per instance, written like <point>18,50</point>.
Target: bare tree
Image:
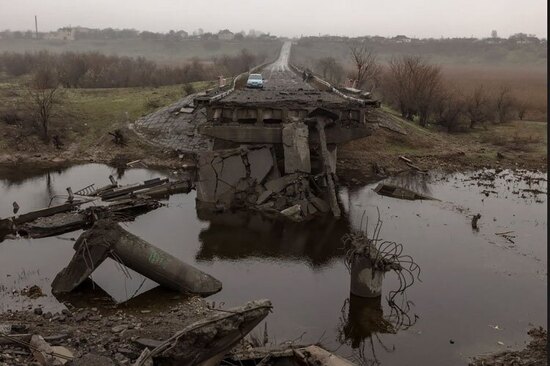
<point>43,94</point>
<point>367,69</point>
<point>330,69</point>
<point>478,107</point>
<point>428,85</point>
<point>521,108</point>
<point>449,109</point>
<point>504,104</point>
<point>413,85</point>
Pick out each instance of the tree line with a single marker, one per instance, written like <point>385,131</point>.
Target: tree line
<point>96,70</point>
<point>417,89</point>
<point>48,74</point>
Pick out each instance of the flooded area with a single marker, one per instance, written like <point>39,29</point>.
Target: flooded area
<point>478,291</point>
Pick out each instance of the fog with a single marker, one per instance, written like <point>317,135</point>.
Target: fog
<point>422,18</point>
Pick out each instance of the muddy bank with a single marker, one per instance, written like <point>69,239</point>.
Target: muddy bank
<point>516,145</point>
<point>536,353</point>
<point>103,331</point>
<point>47,161</point>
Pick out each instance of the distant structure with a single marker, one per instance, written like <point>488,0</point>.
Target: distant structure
<point>494,34</point>
<point>35,27</point>
<point>226,35</point>
<point>401,39</point>
<point>62,34</point>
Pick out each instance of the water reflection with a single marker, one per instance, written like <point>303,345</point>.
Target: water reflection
<point>243,235</point>
<point>362,321</point>
<point>91,294</point>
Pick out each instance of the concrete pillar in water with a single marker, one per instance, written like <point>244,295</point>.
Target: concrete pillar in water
<point>365,280</point>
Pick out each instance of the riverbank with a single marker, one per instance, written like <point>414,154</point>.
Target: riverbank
<point>535,353</point>
<point>514,145</point>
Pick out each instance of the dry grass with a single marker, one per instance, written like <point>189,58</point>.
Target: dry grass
<point>528,84</point>
<point>517,136</point>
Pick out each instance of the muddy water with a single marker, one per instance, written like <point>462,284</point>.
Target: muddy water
<point>470,281</point>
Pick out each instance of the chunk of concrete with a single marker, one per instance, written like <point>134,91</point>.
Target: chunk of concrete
<point>277,185</point>
<point>261,162</point>
<point>223,173</point>
<point>296,148</point>
<point>320,204</point>
<point>264,196</point>
<point>293,212</point>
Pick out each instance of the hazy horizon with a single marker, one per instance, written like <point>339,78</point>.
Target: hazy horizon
<point>421,19</point>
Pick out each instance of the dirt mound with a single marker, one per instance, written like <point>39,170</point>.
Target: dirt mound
<point>534,354</point>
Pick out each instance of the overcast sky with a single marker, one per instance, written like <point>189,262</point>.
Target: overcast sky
<point>418,18</point>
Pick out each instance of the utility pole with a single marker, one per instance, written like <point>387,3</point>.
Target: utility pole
<point>36,26</point>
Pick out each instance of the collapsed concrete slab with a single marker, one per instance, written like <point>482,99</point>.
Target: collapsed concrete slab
<point>245,179</point>
<point>108,239</point>
<point>206,341</point>
<point>227,177</point>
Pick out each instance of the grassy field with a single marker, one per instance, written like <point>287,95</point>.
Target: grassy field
<point>83,120</point>
<point>443,52</point>
<point>518,144</point>
<point>528,83</point>
<point>163,52</point>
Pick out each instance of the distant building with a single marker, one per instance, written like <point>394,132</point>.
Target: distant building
<point>401,39</point>
<point>62,34</point>
<point>182,34</point>
<point>522,38</point>
<point>226,35</point>
<point>378,39</point>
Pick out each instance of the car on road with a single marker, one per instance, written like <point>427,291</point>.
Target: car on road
<point>255,81</point>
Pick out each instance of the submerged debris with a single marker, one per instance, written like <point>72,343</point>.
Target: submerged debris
<point>107,239</point>
<point>390,190</point>
<point>209,339</point>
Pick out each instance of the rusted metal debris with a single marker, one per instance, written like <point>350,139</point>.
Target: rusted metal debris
<point>123,210</point>
<point>108,239</point>
<point>115,203</point>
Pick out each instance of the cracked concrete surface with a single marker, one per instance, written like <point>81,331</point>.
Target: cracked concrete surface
<point>175,128</point>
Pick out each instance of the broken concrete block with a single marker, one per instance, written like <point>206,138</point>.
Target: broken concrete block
<point>320,204</point>
<point>277,185</point>
<point>303,206</point>
<point>292,211</point>
<point>261,162</point>
<point>296,148</point>
<point>136,254</point>
<point>42,352</point>
<point>264,196</point>
<point>223,173</point>
<point>311,210</point>
<point>280,203</point>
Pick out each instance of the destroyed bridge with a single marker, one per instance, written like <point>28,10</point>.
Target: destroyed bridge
<point>272,149</point>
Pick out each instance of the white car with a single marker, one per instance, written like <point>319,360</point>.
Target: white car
<point>255,81</point>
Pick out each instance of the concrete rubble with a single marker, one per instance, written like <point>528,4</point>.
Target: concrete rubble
<point>176,126</point>
<point>249,178</point>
